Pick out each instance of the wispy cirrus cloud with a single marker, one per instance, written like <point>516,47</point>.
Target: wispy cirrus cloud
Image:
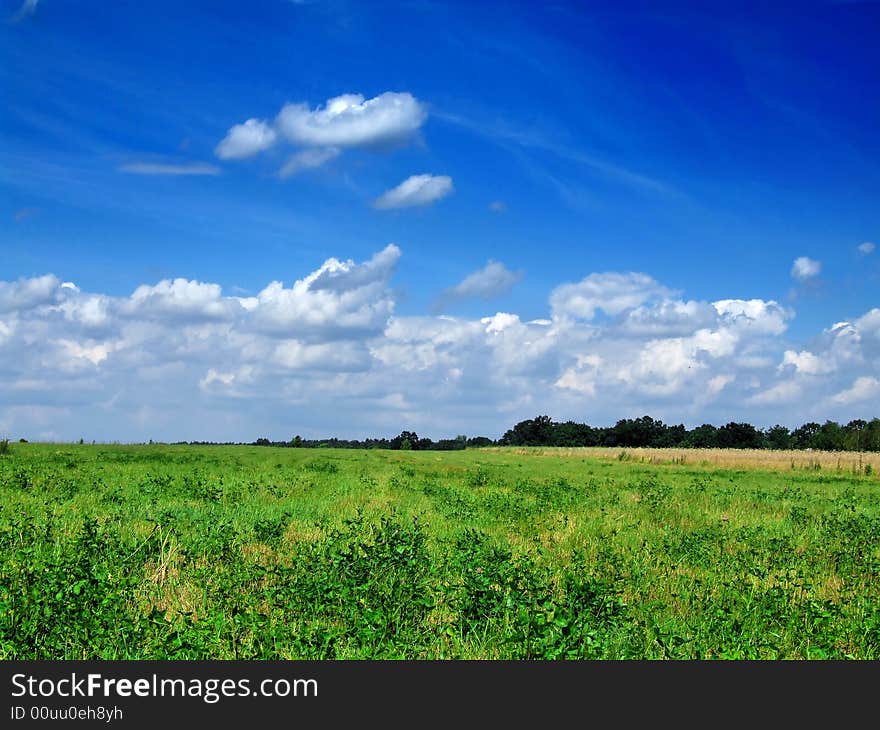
<point>28,7</point>
<point>507,134</point>
<point>153,168</point>
<point>416,190</point>
<point>308,159</point>
<point>23,213</point>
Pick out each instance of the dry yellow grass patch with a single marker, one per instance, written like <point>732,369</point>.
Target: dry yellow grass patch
<point>844,461</point>
<point>298,531</point>
<point>164,589</point>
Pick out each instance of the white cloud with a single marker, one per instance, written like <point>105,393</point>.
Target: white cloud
<point>493,280</point>
<point>416,190</point>
<point>350,121</point>
<point>213,376</point>
<point>669,317</point>
<point>611,292</point>
<point>582,376</point>
<point>308,159</point>
<point>863,389</point>
<point>326,354</point>
<point>150,168</point>
<point>869,323</point>
<point>346,121</point>
<point>719,383</point>
<point>805,268</point>
<point>497,206</point>
<point>339,297</point>
<point>780,394</point>
<point>806,362</point>
<point>178,298</point>
<point>94,354</point>
<point>866,248</point>
<point>754,315</point>
<point>27,293</point>
<point>246,140</point>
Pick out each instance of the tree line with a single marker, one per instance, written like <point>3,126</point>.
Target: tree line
<point>405,441</point>
<point>857,435</point>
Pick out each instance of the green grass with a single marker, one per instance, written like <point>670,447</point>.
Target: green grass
<point>136,552</point>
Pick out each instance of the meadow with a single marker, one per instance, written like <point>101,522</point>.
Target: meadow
<point>243,552</point>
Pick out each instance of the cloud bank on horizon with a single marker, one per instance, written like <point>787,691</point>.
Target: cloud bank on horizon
<point>329,349</point>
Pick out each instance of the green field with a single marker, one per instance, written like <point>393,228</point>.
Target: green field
<point>157,552</point>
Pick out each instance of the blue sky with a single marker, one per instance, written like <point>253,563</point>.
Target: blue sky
<point>528,160</point>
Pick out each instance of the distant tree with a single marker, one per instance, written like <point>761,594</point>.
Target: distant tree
<point>296,442</point>
<point>778,437</point>
<point>829,437</point>
<point>262,442</point>
<point>480,441</point>
<point>739,436</point>
<point>702,437</point>
<point>871,436</point>
<point>533,432</point>
<point>672,437</point>
<point>411,436</point>
<point>644,431</point>
<point>571,433</point>
<point>854,432</point>
<point>802,437</point>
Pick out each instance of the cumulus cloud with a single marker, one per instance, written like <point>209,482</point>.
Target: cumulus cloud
<point>351,121</point>
<point>863,390</point>
<point>865,248</point>
<point>179,298</point>
<point>348,121</point>
<point>757,315</point>
<point>805,268</point>
<point>610,292</point>
<point>806,362</point>
<point>669,317</point>
<point>327,353</point>
<point>340,298</point>
<point>150,168</point>
<point>779,394</point>
<point>246,140</point>
<point>26,293</point>
<point>416,190</point>
<point>493,280</point>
